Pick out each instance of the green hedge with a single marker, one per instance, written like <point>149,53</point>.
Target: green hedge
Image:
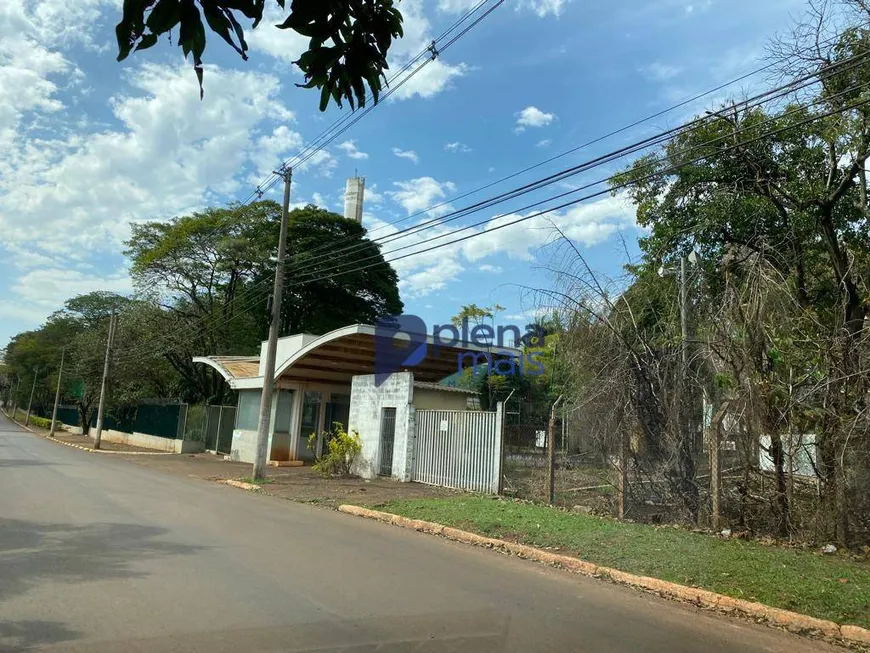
<point>39,422</point>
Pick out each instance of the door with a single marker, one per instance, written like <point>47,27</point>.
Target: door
<point>388,436</point>
<point>310,423</point>
<point>280,449</point>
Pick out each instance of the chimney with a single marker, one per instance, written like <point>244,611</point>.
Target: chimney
<point>354,194</point>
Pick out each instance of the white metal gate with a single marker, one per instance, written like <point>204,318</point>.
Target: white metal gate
<point>458,448</point>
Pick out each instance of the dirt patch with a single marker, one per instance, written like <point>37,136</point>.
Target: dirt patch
<point>302,484</point>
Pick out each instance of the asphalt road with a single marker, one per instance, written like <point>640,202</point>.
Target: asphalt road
<point>98,555</point>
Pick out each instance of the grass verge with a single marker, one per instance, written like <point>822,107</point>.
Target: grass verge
<point>829,587</point>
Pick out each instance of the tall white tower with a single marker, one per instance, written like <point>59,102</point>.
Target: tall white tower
<point>354,195</point>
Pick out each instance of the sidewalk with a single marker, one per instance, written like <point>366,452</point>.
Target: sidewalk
<point>79,441</point>
<point>88,443</point>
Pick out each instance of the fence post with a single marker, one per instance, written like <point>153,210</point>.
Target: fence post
<point>205,428</point>
<point>713,440</point>
<point>622,482</point>
<point>551,450</point>
<point>499,441</point>
<point>217,437</point>
<point>182,422</point>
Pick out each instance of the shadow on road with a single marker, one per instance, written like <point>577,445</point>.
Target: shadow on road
<point>32,553</point>
<point>23,462</point>
<point>25,635</point>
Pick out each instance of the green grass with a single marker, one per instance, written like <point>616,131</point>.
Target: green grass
<point>256,481</point>
<point>830,587</point>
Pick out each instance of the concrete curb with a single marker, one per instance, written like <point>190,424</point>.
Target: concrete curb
<point>791,621</point>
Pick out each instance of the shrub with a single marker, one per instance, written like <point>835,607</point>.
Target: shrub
<point>40,422</point>
<point>339,453</point>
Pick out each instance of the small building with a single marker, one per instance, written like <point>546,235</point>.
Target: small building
<point>320,380</point>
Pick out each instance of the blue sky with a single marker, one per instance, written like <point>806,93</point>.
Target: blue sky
<point>88,145</point>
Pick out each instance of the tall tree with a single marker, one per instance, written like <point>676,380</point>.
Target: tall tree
<point>325,292</point>
<point>211,271</point>
<point>786,187</point>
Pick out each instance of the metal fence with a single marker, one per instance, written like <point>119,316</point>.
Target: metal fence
<point>218,428</point>
<point>458,449</point>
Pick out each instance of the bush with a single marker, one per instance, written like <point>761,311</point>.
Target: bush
<point>341,450</point>
<point>40,422</point>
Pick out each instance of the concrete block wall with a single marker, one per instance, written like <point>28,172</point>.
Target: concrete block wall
<point>366,404</point>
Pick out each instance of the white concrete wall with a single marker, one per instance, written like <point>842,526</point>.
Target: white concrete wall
<point>366,404</point>
<point>244,446</point>
<point>145,441</point>
<point>287,346</point>
<point>428,399</point>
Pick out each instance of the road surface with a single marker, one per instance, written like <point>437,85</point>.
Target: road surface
<point>101,555</point>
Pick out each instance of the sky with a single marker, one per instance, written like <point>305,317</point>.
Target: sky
<point>89,146</point>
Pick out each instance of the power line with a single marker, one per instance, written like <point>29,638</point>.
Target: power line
<point>564,174</point>
<point>394,83</point>
<point>255,299</point>
<point>356,268</point>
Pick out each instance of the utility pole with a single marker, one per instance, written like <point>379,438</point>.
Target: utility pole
<point>102,407</point>
<point>274,326</point>
<point>32,390</point>
<point>57,395</point>
<point>684,330</point>
<point>551,446</point>
<point>15,395</point>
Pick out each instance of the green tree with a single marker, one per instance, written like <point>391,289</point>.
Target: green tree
<point>211,272</point>
<point>796,202</point>
<point>318,295</point>
<point>347,50</point>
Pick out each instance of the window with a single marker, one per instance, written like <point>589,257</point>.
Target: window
<point>249,410</point>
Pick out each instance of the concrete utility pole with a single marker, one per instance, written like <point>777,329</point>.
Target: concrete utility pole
<point>57,395</point>
<point>265,422</point>
<point>102,407</point>
<point>551,446</point>
<point>14,397</point>
<point>32,390</point>
<point>684,329</point>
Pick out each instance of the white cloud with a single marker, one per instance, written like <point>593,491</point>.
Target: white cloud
<point>350,149</point>
<point>40,292</point>
<point>661,71</point>
<point>372,196</point>
<point>319,200</point>
<point>546,142</point>
<point>406,154</point>
<point>429,80</point>
<point>283,44</point>
<point>532,116</point>
<point>545,7</point>
<point>51,287</point>
<point>430,270</point>
<point>587,224</point>
<point>540,7</point>
<point>322,160</point>
<point>416,195</point>
<point>456,146</point>
<point>170,153</point>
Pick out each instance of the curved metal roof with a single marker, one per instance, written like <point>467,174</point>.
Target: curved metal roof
<point>338,356</point>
